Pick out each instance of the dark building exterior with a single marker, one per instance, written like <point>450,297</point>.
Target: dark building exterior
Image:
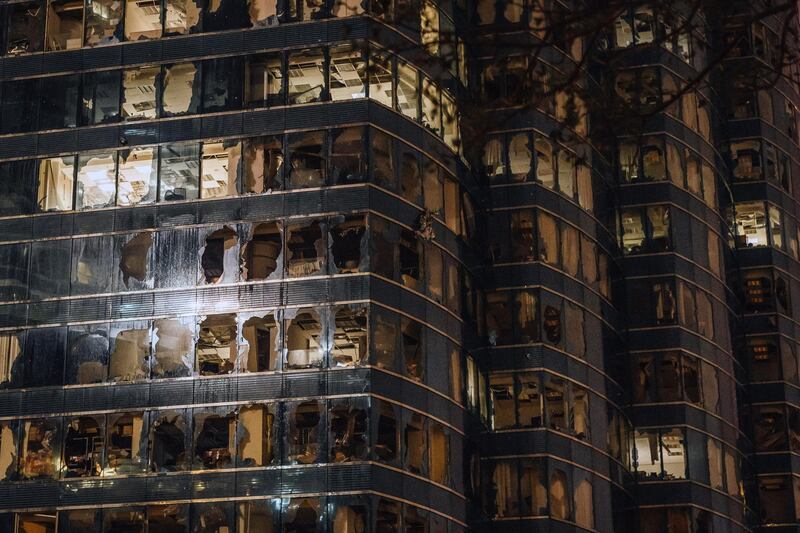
<point>319,266</point>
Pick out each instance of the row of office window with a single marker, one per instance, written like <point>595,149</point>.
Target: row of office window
<point>653,159</point>
<point>308,338</point>
<point>648,90</point>
<point>779,498</point>
<point>338,73</point>
<point>746,100</point>
<point>754,40</point>
<point>639,26</point>
<point>756,159</point>
<point>212,438</point>
<point>755,224</point>
<point>536,486</point>
<point>220,169</point>
<point>539,236</point>
<point>680,520</point>
<point>307,514</point>
<point>527,156</point>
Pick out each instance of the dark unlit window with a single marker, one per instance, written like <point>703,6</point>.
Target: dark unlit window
<point>25,27</point>
<point>84,442</point>
<point>169,442</point>
<point>348,244</point>
<point>214,434</point>
<point>348,156</point>
<point>305,428</point>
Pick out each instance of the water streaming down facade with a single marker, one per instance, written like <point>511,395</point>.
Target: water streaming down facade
<point>254,277</point>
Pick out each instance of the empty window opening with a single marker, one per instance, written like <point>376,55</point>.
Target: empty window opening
<point>103,22</point>
<point>413,353</point>
<point>263,82</point>
<point>306,160</point>
<point>174,342</point>
<point>255,441</point>
<point>130,351</point>
<point>216,345</point>
<point>501,390</point>
<point>168,442</point>
<point>303,339</point>
<point>263,164</point>
<point>304,432</point>
<point>181,92</point>
<point>519,157</point>
<point>125,444</point>
<point>350,338</point>
<point>220,169</point>
<point>348,73</point>
<point>64,24</point>
<point>348,421</point>
<point>214,436</point>
<point>380,79</point>
<point>348,156</point>
<point>182,17</point>
<point>544,163</point>
<point>40,441</point>
<point>261,336</point>
<point>56,181</point>
<point>84,443</point>
<point>263,12</point>
<point>387,440</point>
<point>306,75</point>
<point>96,186</point>
<point>219,259</point>
<point>135,259</point>
<point>407,90</point>
<point>415,443</point>
<point>87,354</point>
<point>306,249</point>
<point>529,400</point>
<point>384,340</point>
<point>751,225</point>
<point>348,245</point>
<point>10,350</point>
<point>138,174</point>
<point>142,19</point>
<point>262,253</point>
<point>555,403</point>
<point>139,93</point>
<point>410,258</point>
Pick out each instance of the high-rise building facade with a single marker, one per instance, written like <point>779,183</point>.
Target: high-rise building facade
<point>350,266</point>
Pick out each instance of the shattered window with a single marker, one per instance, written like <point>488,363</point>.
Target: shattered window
<point>103,22</point>
<point>8,449</point>
<point>214,437</point>
<point>306,249</point>
<point>305,427</point>
<point>125,443</point>
<point>87,354</point>
<point>348,73</point>
<point>306,76</point>
<point>96,180</point>
<point>130,351</point>
<point>169,441</point>
<point>410,258</point>
<point>124,519</point>
<point>347,8</point>
<point>555,403</point>
<point>414,443</point>
<point>411,345</point>
<point>410,174</point>
<point>380,78</point>
<point>222,82</point>
<point>222,15</point>
<point>216,345</point>
<point>501,391</point>
<point>100,97</point>
<point>139,93</point>
<point>348,244</point>
<point>174,347</point>
<point>262,252</point>
<point>302,515</point>
<point>633,236</point>
<point>181,89</point>
<point>348,155</point>
<point>219,258</point>
<point>167,518</point>
<point>263,12</point>
<point>58,106</point>
<point>566,173</point>
<point>653,160</point>
<point>182,17</point>
<point>264,80</point>
<point>519,156</point>
<point>40,448</point>
<point>544,163</point>
<point>142,20</point>
<point>138,175</point>
<point>307,159</point>
<point>261,334</point>
<point>263,164</point>
<point>350,337</point>
<point>19,105</point>
<point>349,430</point>
<point>433,188</point>
<point>493,156</point>
<point>751,225</point>
<point>220,169</point>
<point>256,435</point>
<point>303,336</point>
<point>435,271</point>
<point>84,441</point>
<point>382,159</point>
<point>529,400</point>
<point>384,339</point>
<point>25,27</point>
<point>258,516</point>
<point>523,246</point>
<point>431,106</point>
<point>407,90</point>
<point>179,171</point>
<point>548,239</point>
<point>429,27</point>
<point>499,323</point>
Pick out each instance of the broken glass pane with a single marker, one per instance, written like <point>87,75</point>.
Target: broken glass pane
<point>348,73</point>
<point>216,345</point>
<point>25,27</point>
<point>87,354</point>
<point>222,81</point>
<point>306,74</point>
<point>261,338</point>
<point>431,106</point>
<point>103,22</point>
<point>214,438</point>
<point>139,93</point>
<point>380,78</point>
<point>220,169</point>
<point>181,92</point>
<point>135,264</point>
<point>263,164</point>
<point>138,175</point>
<point>348,245</point>
<point>182,17</point>
<point>256,436</point>
<point>307,159</point>
<point>304,336</point>
<point>410,258</point>
<point>347,8</point>
<point>179,171</point>
<point>263,13</point>
<point>220,256</point>
<point>100,97</point>
<point>174,353</point>
<point>408,90</point>
<point>306,249</point>
<point>348,155</point>
<point>349,430</point>
<point>350,337</point>
<point>40,448</point>
<point>264,80</point>
<point>96,180</point>
<point>302,514</point>
<point>305,431</point>
<point>142,19</point>
<point>130,351</point>
<point>212,517</point>
<point>84,443</point>
<point>414,442</point>
<point>383,327</point>
<point>126,444</point>
<point>169,441</point>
